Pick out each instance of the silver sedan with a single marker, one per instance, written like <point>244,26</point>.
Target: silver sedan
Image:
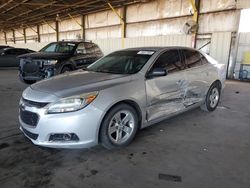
<point>119,94</point>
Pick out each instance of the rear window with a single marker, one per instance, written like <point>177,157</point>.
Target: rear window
<point>193,58</point>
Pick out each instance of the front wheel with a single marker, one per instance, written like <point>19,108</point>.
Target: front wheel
<point>119,127</point>
<point>65,69</point>
<point>29,81</point>
<point>212,97</point>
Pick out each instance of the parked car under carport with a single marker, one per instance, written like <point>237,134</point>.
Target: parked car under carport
<point>3,46</point>
<point>9,56</point>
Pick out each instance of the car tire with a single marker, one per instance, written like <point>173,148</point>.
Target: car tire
<point>65,69</point>
<point>212,98</point>
<point>115,132</point>
<point>29,81</point>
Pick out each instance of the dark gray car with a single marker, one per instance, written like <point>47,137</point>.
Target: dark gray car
<point>8,56</point>
<point>4,46</point>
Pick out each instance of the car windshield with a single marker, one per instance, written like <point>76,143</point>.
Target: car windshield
<point>122,62</point>
<point>61,47</point>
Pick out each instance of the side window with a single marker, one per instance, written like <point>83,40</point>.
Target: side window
<point>21,51</point>
<point>11,52</point>
<point>81,49</point>
<point>51,48</point>
<point>169,60</point>
<point>89,48</point>
<point>98,51</point>
<point>193,58</point>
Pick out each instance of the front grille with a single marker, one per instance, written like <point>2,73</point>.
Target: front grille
<point>29,134</point>
<point>28,117</point>
<point>30,67</point>
<point>33,103</point>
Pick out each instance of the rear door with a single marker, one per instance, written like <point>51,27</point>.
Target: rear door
<point>165,93</point>
<point>196,74</point>
<point>85,54</point>
<point>90,52</point>
<point>80,56</point>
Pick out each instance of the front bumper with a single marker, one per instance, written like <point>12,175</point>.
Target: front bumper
<point>35,70</point>
<point>83,123</point>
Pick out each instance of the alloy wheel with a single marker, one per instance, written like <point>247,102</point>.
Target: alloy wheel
<point>121,126</point>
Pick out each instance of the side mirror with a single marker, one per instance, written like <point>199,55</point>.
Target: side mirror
<point>157,72</point>
<point>3,54</point>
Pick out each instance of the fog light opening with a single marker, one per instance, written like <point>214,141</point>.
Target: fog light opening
<point>63,137</point>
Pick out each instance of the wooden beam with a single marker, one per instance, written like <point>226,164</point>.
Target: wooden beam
<point>5,37</point>
<point>38,33</point>
<point>49,4</point>
<point>4,4</point>
<point>57,31</point>
<point>48,12</point>
<point>196,7</point>
<point>124,17</point>
<point>24,35</point>
<point>83,27</point>
<point>73,18</point>
<point>11,8</point>
<point>29,11</point>
<point>49,25</point>
<point>14,37</point>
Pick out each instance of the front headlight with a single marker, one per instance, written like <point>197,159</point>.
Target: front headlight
<point>71,104</point>
<point>50,62</point>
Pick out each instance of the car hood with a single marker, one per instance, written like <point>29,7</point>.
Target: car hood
<point>45,55</point>
<point>79,82</point>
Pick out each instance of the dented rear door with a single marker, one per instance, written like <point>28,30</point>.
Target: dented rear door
<point>197,77</point>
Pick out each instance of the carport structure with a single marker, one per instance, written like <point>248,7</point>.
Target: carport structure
<point>29,13</point>
<point>116,24</point>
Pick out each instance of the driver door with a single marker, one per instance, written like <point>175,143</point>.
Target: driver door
<point>165,93</point>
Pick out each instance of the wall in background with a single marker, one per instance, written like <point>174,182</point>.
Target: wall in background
<point>159,17</point>
<point>153,23</point>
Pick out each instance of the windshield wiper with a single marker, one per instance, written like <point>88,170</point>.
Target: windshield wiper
<point>105,71</point>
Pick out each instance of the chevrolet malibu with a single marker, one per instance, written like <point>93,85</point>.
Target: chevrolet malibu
<point>118,95</point>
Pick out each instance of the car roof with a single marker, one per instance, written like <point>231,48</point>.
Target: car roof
<point>159,48</point>
<point>74,42</point>
<point>10,48</point>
